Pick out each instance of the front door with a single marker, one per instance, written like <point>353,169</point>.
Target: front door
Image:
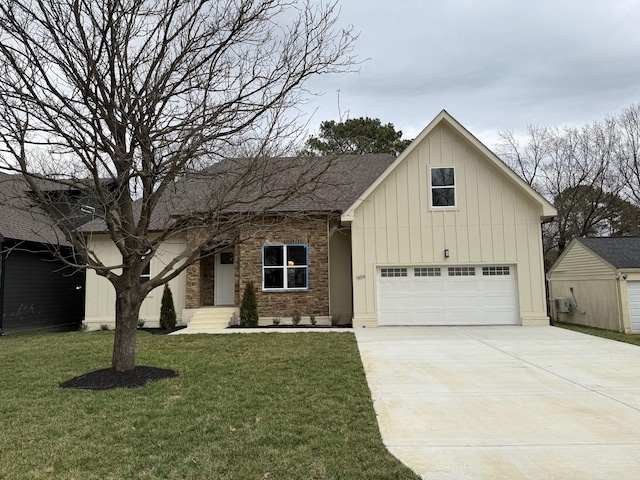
<point>224,281</point>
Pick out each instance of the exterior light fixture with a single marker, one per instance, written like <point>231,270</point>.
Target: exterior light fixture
<point>446,253</point>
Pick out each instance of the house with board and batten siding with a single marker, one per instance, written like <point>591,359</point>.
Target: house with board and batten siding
<point>445,234</point>
<point>38,291</point>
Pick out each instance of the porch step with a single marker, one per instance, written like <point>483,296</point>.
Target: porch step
<point>210,319</point>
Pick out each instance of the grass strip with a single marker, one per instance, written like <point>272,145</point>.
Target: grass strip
<point>601,332</point>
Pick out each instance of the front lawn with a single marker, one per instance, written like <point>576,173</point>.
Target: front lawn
<point>245,406</point>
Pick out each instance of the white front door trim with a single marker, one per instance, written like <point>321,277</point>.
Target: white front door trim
<point>224,281</point>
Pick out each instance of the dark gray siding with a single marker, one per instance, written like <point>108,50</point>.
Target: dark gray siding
<point>40,293</point>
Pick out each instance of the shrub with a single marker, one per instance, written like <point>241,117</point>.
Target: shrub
<point>140,323</point>
<point>295,318</point>
<point>335,319</point>
<point>249,307</point>
<point>276,320</point>
<point>104,327</point>
<point>84,327</point>
<point>312,318</point>
<point>167,310</point>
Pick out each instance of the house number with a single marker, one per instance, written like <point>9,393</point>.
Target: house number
<point>360,277</point>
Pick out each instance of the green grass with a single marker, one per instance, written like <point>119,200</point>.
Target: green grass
<point>245,406</point>
<point>600,332</point>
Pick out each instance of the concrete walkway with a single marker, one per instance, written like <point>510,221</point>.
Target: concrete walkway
<point>505,402</point>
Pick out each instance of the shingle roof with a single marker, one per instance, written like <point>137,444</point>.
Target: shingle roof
<point>20,219</point>
<point>307,184</point>
<point>621,252</point>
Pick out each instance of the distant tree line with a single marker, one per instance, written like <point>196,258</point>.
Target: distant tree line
<point>591,174</point>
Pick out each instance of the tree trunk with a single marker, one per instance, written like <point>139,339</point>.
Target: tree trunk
<point>128,302</point>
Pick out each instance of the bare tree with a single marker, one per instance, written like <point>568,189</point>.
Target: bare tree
<point>575,169</point>
<point>628,125</point>
<point>126,100</point>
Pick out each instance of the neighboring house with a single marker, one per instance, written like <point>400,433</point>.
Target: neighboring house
<point>446,234</point>
<point>37,290</point>
<point>596,282</point>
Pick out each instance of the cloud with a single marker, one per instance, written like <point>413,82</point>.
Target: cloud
<point>495,65</point>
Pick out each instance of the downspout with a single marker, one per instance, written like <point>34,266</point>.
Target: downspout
<point>2,258</point>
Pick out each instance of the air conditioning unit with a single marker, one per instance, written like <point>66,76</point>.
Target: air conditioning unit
<point>564,305</point>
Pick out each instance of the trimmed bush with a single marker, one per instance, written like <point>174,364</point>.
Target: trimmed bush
<point>167,310</point>
<point>249,307</point>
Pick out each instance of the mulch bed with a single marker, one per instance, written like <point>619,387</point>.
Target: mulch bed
<point>108,379</point>
<point>162,331</point>
<point>344,325</point>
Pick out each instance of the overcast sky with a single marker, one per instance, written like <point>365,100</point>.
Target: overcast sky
<point>494,65</point>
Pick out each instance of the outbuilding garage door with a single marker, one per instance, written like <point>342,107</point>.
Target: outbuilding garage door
<point>461,295</point>
<point>634,305</point>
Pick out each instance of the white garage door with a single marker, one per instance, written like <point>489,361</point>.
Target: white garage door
<point>634,305</point>
<point>463,295</point>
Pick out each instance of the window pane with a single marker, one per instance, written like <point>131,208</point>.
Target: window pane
<point>296,277</point>
<point>393,272</point>
<point>443,197</point>
<point>296,254</point>
<point>442,177</point>
<point>274,278</point>
<point>273,256</point>
<point>145,275</point>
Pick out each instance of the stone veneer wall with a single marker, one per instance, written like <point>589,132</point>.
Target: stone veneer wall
<point>248,263</point>
<point>207,273</point>
<point>315,300</point>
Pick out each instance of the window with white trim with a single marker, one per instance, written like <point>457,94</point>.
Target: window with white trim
<point>426,272</point>
<point>494,271</point>
<point>393,272</point>
<point>443,187</point>
<point>285,267</point>
<point>145,275</point>
<point>462,271</point>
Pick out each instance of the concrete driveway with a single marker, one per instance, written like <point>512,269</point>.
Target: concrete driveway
<point>505,402</point>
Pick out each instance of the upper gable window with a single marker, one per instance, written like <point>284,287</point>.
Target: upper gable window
<point>443,187</point>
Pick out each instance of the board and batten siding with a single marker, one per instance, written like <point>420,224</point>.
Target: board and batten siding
<point>494,222</point>
<point>598,301</point>
<point>40,293</point>
<point>101,297</point>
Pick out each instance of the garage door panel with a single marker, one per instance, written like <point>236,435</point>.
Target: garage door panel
<point>462,317</point>
<point>460,301</point>
<point>633,289</point>
<point>498,301</point>
<point>448,300</point>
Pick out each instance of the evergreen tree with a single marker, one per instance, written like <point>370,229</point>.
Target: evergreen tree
<point>167,310</point>
<point>356,136</point>
<point>249,307</point>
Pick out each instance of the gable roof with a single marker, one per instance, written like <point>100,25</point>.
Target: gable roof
<point>548,210</point>
<point>332,182</point>
<point>316,184</point>
<point>19,219</point>
<point>621,252</point>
